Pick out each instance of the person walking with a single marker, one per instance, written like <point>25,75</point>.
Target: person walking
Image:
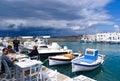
<point>16,43</point>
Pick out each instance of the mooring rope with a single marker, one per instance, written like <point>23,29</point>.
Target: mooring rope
<point>45,60</point>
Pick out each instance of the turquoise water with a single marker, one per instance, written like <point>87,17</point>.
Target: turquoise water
<point>110,71</point>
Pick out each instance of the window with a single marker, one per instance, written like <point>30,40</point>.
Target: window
<point>43,47</point>
<point>89,52</point>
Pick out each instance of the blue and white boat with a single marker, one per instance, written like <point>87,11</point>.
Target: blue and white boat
<point>89,61</point>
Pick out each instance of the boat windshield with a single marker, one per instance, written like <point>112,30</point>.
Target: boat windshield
<point>43,46</point>
<point>89,52</point>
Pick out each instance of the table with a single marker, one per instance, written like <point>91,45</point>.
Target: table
<point>17,56</point>
<point>24,66</point>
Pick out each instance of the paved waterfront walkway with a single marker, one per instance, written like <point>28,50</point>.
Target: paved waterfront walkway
<point>59,76</point>
<point>45,70</point>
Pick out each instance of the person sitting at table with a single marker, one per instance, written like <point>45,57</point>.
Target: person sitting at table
<point>10,50</point>
<point>34,52</point>
<point>7,59</point>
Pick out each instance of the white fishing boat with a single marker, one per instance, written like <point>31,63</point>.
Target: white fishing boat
<point>61,59</point>
<point>45,48</point>
<point>89,61</point>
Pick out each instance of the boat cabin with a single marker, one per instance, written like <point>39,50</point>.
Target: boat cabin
<point>91,54</point>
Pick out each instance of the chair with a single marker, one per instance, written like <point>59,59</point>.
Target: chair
<point>8,72</point>
<point>1,48</point>
<point>40,73</point>
<point>34,57</point>
<point>50,76</point>
<point>53,76</point>
<point>32,74</point>
<point>0,61</point>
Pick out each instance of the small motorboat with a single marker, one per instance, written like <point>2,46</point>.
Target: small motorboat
<point>61,59</point>
<point>89,61</point>
<point>45,48</point>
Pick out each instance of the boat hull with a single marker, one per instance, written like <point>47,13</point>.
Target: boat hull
<point>61,59</point>
<point>58,61</point>
<point>79,67</point>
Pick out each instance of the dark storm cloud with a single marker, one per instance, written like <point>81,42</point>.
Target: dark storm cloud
<point>36,9</point>
<point>75,16</point>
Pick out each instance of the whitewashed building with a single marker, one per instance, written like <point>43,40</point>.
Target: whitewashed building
<point>89,38</point>
<point>113,37</point>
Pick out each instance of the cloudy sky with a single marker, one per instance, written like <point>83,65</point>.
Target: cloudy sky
<point>58,17</point>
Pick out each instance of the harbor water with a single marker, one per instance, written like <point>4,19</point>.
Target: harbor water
<point>109,71</point>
